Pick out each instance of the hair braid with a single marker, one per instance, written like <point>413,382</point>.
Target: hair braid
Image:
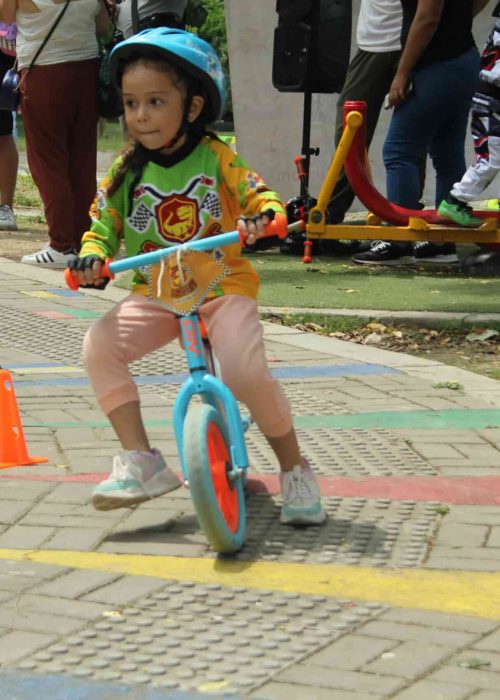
<point>129,158</point>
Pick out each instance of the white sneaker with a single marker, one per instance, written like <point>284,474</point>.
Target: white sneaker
<point>136,477</point>
<point>301,498</point>
<point>7,218</point>
<point>49,258</point>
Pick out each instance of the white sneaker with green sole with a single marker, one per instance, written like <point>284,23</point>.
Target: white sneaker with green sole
<point>301,498</point>
<point>136,477</point>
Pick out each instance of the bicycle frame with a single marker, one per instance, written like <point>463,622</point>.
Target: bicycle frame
<point>200,381</point>
<point>212,390</point>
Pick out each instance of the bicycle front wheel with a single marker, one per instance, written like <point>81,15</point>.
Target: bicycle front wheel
<point>218,500</point>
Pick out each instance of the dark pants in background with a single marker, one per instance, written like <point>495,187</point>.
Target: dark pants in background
<point>59,110</point>
<point>368,78</point>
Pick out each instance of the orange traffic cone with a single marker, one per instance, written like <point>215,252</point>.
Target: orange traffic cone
<point>13,450</point>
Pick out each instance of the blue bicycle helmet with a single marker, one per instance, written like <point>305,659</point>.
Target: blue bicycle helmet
<point>184,50</point>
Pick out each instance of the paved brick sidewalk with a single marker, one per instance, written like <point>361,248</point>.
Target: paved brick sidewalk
<point>395,597</point>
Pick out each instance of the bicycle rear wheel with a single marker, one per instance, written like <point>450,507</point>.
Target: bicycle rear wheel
<point>218,500</point>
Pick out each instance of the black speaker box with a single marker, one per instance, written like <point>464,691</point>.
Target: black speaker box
<point>312,45</point>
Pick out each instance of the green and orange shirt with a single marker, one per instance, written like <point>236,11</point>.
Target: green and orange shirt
<point>196,192</point>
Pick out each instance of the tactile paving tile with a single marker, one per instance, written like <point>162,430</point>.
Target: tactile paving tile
<point>27,332</point>
<point>188,635</point>
<point>367,532</point>
<point>55,342</point>
<point>321,402</point>
<point>302,402</point>
<point>168,360</point>
<point>349,452</point>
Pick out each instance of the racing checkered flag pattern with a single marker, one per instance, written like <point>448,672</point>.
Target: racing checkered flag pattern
<point>140,218</point>
<point>211,203</point>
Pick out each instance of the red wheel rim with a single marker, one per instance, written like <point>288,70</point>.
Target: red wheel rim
<point>219,461</point>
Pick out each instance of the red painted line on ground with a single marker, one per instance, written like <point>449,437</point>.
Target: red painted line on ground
<point>458,490</point>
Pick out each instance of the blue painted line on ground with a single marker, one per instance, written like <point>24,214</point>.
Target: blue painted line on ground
<point>24,365</point>
<point>21,686</point>
<point>331,370</point>
<point>179,377</point>
<point>65,293</point>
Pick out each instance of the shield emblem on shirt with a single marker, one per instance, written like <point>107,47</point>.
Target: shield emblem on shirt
<point>177,218</point>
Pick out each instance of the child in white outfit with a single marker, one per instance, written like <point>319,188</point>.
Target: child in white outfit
<point>485,126</point>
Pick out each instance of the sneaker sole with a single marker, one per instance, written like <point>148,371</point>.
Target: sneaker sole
<point>48,266</point>
<point>406,260</point>
<point>440,259</point>
<point>318,519</point>
<point>463,224</point>
<point>102,501</point>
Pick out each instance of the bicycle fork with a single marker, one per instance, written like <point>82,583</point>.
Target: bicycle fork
<point>212,390</point>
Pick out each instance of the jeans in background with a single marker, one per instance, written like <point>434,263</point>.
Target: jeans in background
<point>432,120</point>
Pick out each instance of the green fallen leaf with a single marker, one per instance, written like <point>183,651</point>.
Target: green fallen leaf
<point>454,386</point>
<point>473,663</point>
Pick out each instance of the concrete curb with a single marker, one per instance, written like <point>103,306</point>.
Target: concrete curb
<point>413,318</point>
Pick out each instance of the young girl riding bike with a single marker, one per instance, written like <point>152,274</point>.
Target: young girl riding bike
<point>175,183</point>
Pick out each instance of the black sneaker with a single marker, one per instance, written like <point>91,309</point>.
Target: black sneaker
<point>482,263</point>
<point>439,253</point>
<point>386,253</point>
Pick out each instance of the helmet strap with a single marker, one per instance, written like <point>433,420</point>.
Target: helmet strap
<point>185,123</point>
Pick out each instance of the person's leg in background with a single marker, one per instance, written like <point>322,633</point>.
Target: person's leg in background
<point>405,147</point>
<point>82,145</point>
<point>485,127</point>
<point>440,102</point>
<point>47,106</point>
<point>446,146</point>
<point>368,78</point>
<point>9,158</point>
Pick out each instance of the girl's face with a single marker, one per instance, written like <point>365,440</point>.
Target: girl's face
<point>154,103</point>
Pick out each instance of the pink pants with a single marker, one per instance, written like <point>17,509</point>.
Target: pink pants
<point>137,326</point>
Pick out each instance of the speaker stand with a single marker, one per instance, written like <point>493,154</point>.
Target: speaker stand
<point>307,151</point>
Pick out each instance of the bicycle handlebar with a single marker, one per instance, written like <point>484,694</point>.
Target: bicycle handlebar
<point>156,256</point>
<point>277,227</point>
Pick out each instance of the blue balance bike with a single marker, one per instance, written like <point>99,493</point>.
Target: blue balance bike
<point>210,434</point>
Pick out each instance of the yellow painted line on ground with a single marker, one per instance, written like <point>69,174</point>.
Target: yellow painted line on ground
<point>41,295</point>
<point>48,370</point>
<point>458,592</point>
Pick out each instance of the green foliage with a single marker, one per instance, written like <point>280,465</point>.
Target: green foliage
<point>213,28</point>
<point>207,19</point>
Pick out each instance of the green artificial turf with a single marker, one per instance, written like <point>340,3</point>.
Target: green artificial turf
<point>338,283</point>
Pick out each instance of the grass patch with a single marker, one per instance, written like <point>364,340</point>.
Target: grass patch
<point>110,137</point>
<point>24,220</point>
<point>27,194</point>
<point>325,324</point>
<point>338,283</point>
